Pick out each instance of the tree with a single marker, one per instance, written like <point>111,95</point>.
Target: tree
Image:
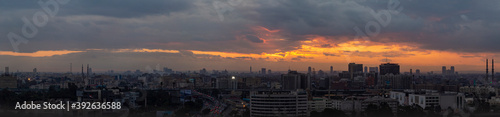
<point>315,114</point>
<point>233,113</point>
<point>205,111</point>
<point>410,111</point>
<point>328,112</point>
<point>246,113</point>
<point>384,110</point>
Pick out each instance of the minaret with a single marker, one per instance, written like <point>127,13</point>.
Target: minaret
<point>487,70</point>
<point>492,69</point>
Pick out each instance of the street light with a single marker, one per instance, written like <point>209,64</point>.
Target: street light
<point>233,77</point>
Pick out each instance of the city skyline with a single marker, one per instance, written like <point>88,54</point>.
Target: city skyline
<point>191,35</point>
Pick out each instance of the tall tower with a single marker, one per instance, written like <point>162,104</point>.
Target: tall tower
<point>452,69</point>
<point>250,69</point>
<point>263,71</point>
<point>443,70</point>
<point>487,77</point>
<point>71,68</point>
<point>83,75</point>
<point>492,69</point>
<point>331,69</point>
<point>87,70</point>
<point>309,70</point>
<point>6,70</point>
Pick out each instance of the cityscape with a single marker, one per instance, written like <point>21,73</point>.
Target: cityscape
<point>259,58</point>
<point>360,91</point>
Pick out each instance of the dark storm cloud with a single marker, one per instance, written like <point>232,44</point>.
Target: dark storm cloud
<point>111,8</point>
<point>254,39</point>
<point>461,25</point>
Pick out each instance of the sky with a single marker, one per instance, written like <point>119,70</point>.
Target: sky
<point>279,35</point>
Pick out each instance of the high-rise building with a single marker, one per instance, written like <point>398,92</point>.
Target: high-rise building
<point>395,81</point>
<point>6,71</point>
<point>324,82</point>
<point>366,69</point>
<point>278,103</point>
<point>263,71</point>
<point>203,71</point>
<point>309,70</point>
<point>417,71</point>
<point>452,70</point>
<point>331,69</point>
<point>269,71</point>
<point>443,70</point>
<point>250,69</point>
<point>83,75</point>
<point>88,70</point>
<point>234,83</point>
<point>355,68</point>
<point>7,81</point>
<point>294,80</point>
<point>373,69</point>
<point>314,72</point>
<point>222,83</point>
<point>389,68</point>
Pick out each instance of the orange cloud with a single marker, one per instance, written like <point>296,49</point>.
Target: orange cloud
<point>260,28</point>
<point>320,49</point>
<point>46,53</point>
<point>146,50</point>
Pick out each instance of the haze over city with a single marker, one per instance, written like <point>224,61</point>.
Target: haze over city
<point>278,35</point>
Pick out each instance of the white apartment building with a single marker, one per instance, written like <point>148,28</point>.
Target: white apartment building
<point>278,103</point>
<point>453,100</point>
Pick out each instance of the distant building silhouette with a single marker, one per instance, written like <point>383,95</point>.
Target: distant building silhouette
<point>355,68</point>
<point>443,70</point>
<point>389,68</point>
<point>373,69</point>
<point>263,71</point>
<point>294,80</point>
<point>331,69</point>
<point>309,70</point>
